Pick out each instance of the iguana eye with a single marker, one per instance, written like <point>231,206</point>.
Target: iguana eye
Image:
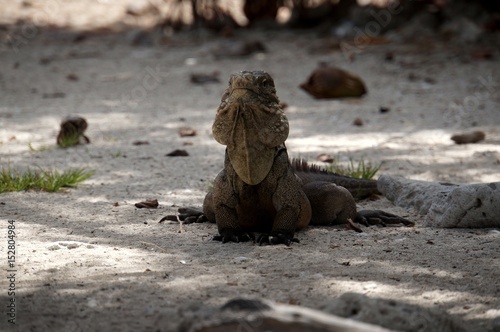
<point>265,83</point>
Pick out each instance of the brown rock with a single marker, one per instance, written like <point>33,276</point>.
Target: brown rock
<point>330,82</point>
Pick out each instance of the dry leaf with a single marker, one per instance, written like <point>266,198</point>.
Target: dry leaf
<point>330,82</point>
<point>148,204</point>
<point>473,137</point>
<point>187,132</point>
<point>178,153</point>
<point>326,158</point>
<point>140,142</point>
<point>358,122</point>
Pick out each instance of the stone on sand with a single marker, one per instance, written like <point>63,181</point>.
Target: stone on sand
<point>446,205</point>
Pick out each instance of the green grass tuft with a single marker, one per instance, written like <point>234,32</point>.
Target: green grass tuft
<point>69,140</point>
<point>44,180</point>
<point>359,170</point>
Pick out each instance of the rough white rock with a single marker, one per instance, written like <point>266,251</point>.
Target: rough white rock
<point>261,315</point>
<point>392,314</point>
<point>446,205</point>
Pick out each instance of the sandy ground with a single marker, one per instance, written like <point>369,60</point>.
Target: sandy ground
<point>87,259</point>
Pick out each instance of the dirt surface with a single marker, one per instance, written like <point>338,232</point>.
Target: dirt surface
<point>87,259</point>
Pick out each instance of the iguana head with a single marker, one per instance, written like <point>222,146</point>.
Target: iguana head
<point>251,86</point>
<point>251,123</point>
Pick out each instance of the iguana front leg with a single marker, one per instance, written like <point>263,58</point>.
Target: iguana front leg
<point>284,225</point>
<point>221,205</point>
<point>293,210</point>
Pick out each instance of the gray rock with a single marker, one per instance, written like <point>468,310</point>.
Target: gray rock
<point>392,314</point>
<point>261,315</point>
<point>412,193</point>
<point>444,204</point>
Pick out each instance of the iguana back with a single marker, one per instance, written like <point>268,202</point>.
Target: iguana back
<point>359,188</point>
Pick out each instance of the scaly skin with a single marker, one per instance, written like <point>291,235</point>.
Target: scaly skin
<point>259,190</point>
<point>359,188</point>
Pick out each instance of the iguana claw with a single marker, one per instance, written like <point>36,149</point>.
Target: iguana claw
<point>187,216</point>
<point>278,238</point>
<point>234,236</point>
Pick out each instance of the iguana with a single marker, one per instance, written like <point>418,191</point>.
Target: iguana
<point>72,132</point>
<point>260,189</point>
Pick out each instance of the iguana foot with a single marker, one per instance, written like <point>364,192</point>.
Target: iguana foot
<point>379,217</point>
<point>234,236</point>
<point>278,238</point>
<point>187,216</point>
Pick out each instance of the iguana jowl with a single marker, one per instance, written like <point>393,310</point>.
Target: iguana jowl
<point>259,189</point>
